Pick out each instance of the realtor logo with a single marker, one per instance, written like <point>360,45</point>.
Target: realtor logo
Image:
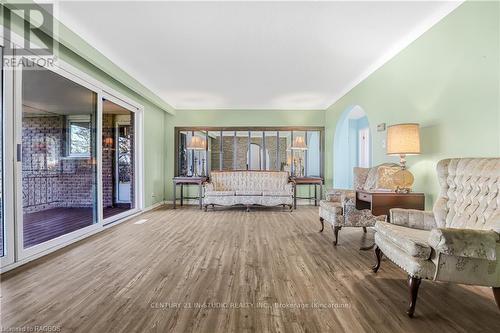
<point>38,29</point>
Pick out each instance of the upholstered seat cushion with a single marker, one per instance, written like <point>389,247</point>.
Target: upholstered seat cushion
<point>218,193</point>
<point>276,193</point>
<point>412,241</point>
<point>333,207</point>
<point>248,192</point>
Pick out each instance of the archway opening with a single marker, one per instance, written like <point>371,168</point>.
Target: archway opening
<point>352,146</point>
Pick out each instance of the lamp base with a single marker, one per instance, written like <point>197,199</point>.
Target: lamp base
<point>404,180</point>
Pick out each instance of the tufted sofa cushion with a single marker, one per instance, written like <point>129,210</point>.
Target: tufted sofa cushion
<point>469,196</point>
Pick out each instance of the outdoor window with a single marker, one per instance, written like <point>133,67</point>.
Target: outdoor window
<point>79,134</point>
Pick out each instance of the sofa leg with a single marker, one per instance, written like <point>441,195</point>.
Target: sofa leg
<point>413,284</point>
<point>496,294</point>
<point>248,209</point>
<point>322,224</point>
<point>205,208</point>
<point>378,256</point>
<point>291,208</point>
<point>364,230</point>
<point>336,234</point>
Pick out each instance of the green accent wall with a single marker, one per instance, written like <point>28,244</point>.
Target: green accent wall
<point>448,81</point>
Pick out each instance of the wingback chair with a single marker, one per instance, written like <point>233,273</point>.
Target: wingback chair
<point>339,208</point>
<point>459,240</point>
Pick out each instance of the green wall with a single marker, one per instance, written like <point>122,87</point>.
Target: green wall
<point>448,81</point>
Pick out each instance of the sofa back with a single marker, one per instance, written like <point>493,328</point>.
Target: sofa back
<point>249,180</point>
<point>469,195</point>
<point>377,177</point>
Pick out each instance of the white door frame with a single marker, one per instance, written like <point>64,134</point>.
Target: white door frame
<point>23,253</point>
<point>137,110</point>
<point>7,167</point>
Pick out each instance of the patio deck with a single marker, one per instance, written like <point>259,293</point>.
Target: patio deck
<point>45,225</point>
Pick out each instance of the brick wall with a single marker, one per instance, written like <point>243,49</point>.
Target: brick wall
<point>50,179</point>
<point>242,150</point>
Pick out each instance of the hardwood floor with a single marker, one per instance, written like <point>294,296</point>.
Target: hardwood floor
<point>266,270</point>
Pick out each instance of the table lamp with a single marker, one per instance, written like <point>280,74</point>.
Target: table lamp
<point>196,143</point>
<point>299,144</point>
<point>403,140</point>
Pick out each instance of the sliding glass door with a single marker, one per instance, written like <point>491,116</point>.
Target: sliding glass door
<point>56,162</point>
<point>118,160</point>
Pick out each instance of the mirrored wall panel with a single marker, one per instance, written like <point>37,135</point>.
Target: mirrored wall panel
<point>298,151</point>
<point>59,176</point>
<point>118,156</point>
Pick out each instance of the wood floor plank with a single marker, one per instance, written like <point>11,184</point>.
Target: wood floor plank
<point>185,270</point>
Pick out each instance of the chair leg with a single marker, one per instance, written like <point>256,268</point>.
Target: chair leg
<point>364,230</point>
<point>413,284</point>
<point>336,234</point>
<point>322,224</point>
<point>496,294</point>
<point>378,256</point>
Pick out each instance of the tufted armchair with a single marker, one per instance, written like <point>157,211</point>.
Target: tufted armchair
<point>459,240</point>
<point>339,208</point>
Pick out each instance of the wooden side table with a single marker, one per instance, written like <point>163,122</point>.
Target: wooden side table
<point>189,181</point>
<point>316,181</point>
<point>381,202</point>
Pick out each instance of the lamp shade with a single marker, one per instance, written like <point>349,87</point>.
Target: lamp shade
<point>196,143</point>
<point>403,139</point>
<point>299,143</point>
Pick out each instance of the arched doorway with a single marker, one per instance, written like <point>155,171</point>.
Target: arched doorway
<point>352,146</point>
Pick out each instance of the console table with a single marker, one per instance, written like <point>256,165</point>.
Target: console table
<point>189,181</point>
<point>316,181</point>
<point>381,202</point>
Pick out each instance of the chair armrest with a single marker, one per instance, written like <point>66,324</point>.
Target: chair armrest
<point>470,243</point>
<point>208,186</point>
<point>337,195</point>
<point>413,218</point>
<point>289,187</point>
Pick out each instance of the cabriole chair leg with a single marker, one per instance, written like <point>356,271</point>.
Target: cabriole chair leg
<point>378,256</point>
<point>336,235</point>
<point>413,284</point>
<point>322,224</point>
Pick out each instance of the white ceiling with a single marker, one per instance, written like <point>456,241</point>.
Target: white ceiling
<point>250,55</point>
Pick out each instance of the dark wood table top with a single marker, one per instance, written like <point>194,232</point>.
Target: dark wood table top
<point>307,180</point>
<point>387,193</point>
<point>189,180</point>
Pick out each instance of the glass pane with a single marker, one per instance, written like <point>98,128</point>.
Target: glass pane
<point>271,144</point>
<point>197,146</point>
<point>313,154</point>
<point>2,232</point>
<point>299,149</point>
<point>214,143</point>
<point>117,159</point>
<point>241,150</point>
<point>285,156</point>
<point>256,154</point>
<point>183,158</point>
<point>228,150</point>
<point>59,189</point>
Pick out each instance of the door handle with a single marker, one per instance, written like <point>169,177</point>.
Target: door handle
<point>19,152</point>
